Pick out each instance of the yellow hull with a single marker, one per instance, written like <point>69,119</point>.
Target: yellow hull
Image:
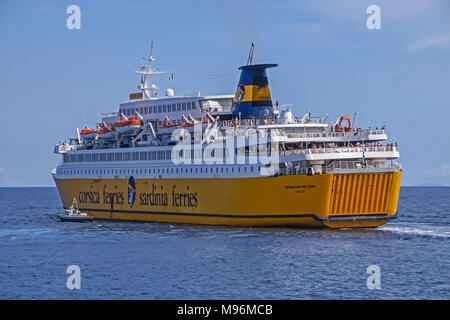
<point>327,200</point>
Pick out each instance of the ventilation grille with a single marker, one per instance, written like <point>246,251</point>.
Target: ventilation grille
<point>360,193</point>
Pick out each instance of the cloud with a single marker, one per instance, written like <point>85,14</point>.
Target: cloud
<point>442,171</point>
<point>436,40</point>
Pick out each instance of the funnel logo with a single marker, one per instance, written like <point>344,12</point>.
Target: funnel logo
<point>131,191</point>
<point>240,92</point>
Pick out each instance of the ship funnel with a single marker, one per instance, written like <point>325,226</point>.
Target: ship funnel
<point>252,98</point>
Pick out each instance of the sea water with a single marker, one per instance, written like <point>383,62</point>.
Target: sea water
<point>141,260</point>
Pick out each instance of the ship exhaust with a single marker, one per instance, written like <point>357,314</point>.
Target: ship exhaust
<point>252,98</point>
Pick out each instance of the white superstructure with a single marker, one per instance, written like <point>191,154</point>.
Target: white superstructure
<point>139,140</point>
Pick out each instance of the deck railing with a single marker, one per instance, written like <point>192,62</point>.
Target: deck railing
<point>341,165</point>
<point>367,164</point>
<point>333,134</point>
<point>338,150</point>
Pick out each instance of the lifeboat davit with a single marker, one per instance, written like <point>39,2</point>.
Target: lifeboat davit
<point>167,126</point>
<point>338,124</point>
<point>88,134</point>
<point>128,126</point>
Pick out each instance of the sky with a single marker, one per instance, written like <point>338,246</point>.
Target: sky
<point>53,79</point>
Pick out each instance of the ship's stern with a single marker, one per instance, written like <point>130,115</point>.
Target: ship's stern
<point>363,199</point>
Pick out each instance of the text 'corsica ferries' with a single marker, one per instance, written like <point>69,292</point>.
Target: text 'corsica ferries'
<point>236,160</point>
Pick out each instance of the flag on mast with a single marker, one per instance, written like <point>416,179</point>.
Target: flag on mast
<point>171,77</point>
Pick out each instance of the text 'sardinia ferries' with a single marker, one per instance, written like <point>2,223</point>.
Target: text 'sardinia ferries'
<point>235,160</point>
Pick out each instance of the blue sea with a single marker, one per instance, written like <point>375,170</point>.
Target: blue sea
<point>136,260</point>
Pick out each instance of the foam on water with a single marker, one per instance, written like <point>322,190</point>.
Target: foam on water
<point>422,230</point>
<point>12,233</point>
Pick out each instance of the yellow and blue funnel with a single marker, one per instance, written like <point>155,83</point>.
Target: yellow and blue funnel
<point>252,98</point>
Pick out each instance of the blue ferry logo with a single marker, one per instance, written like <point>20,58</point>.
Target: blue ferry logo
<point>241,92</point>
<point>131,191</point>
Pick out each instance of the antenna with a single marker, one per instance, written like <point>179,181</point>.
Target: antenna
<point>150,58</point>
<point>146,84</point>
<point>354,117</point>
<point>250,55</point>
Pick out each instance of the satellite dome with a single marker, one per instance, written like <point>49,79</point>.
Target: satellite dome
<point>170,92</point>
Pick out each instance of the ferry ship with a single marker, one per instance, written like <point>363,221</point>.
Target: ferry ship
<point>234,160</point>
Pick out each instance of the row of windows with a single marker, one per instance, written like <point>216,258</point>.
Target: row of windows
<point>157,170</point>
<point>136,156</point>
<point>163,108</point>
<point>117,156</point>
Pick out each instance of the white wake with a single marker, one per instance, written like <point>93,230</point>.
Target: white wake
<point>420,230</point>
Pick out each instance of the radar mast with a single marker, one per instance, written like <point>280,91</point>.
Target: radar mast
<point>146,85</point>
<point>250,55</point>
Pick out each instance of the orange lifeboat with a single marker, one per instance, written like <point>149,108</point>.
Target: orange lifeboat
<point>88,134</point>
<point>128,126</point>
<point>169,124</point>
<point>106,131</point>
